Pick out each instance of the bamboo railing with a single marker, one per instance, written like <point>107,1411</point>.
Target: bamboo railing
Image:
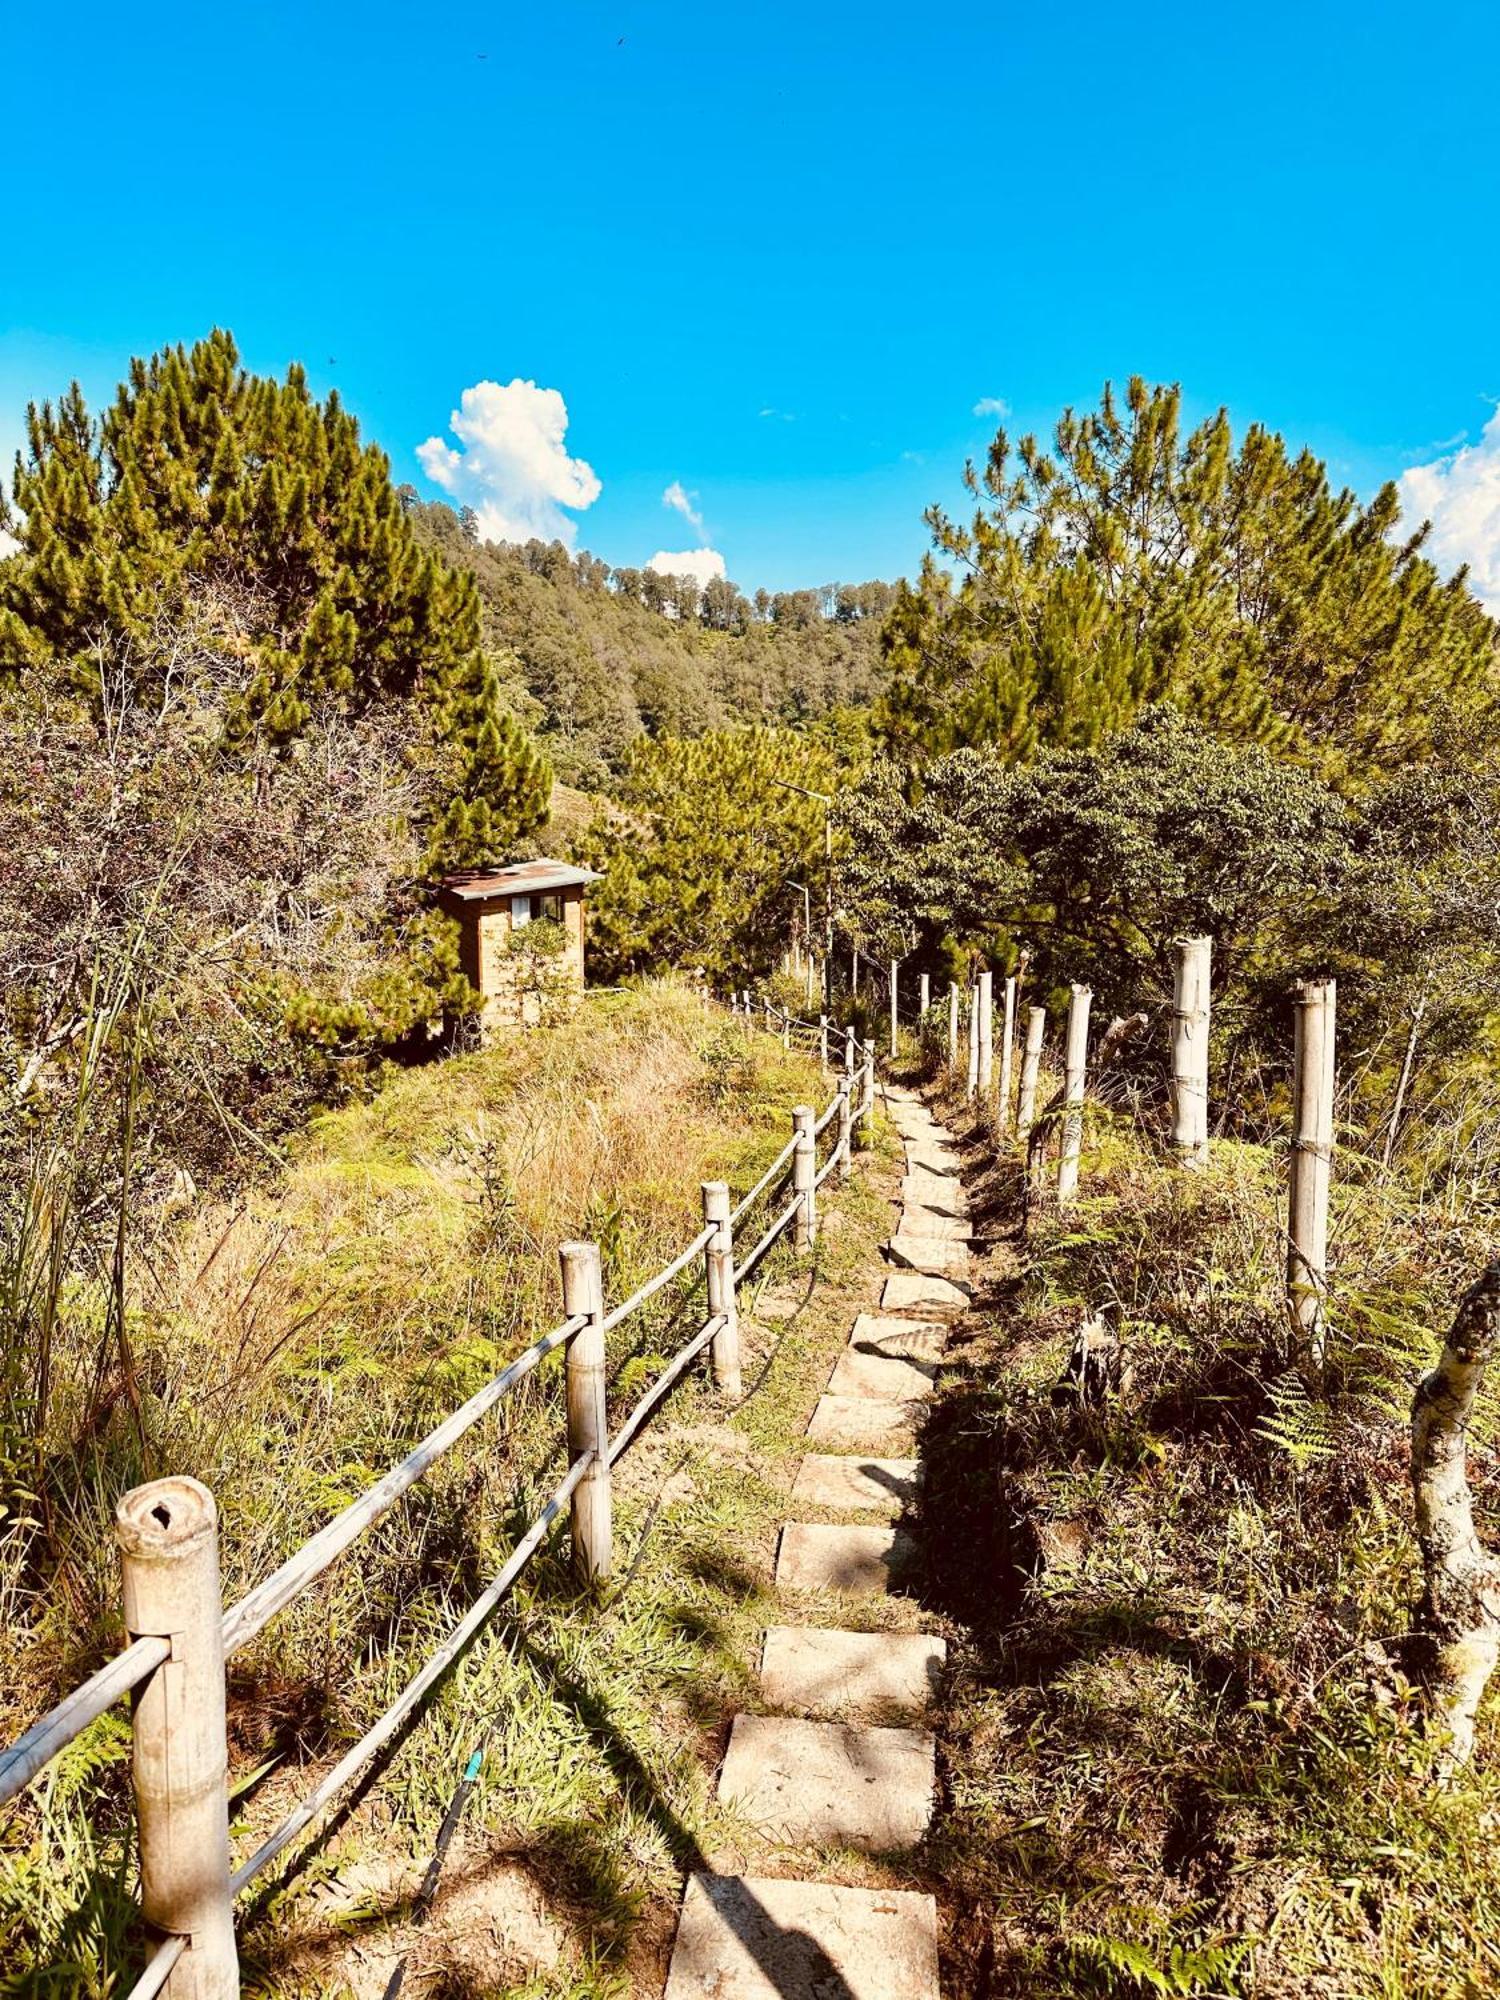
<point>181,1636</point>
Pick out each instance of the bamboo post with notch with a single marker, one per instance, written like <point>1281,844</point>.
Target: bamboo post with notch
<point>972,1087</point>
<point>823,1040</point>
<point>168,1538</point>
<point>866,1110</point>
<point>953,1024</point>
<point>1192,962</point>
<point>718,1263</point>
<point>1314,1006</point>
<point>1007,1053</point>
<point>588,1421</point>
<point>1075,1073</point>
<point>804,1172</point>
<point>1031,1064</point>
<point>984,1076</point>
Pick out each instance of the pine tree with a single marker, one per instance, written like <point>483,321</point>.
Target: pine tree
<point>203,484</point>
<point>1128,566</point>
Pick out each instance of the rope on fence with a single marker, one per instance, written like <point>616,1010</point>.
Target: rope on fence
<point>254,1611</point>
<point>377,1737</point>
<point>57,1728</point>
<point>625,1435</point>
<point>782,1160</point>
<point>781,1223</point>
<point>664,1277</point>
<point>158,1969</point>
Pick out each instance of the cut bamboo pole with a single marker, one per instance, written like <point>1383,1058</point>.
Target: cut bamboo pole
<point>867,1095</point>
<point>823,1040</point>
<point>972,1090</point>
<point>953,1024</point>
<point>1314,1005</point>
<point>1007,1054</point>
<point>804,1175</point>
<point>1031,1063</point>
<point>1192,961</point>
<point>169,1558</point>
<point>846,1126</point>
<point>895,969</point>
<point>1075,1072</point>
<point>718,1263</point>
<point>985,1067</point>
<point>588,1421</point>
<point>924,994</point>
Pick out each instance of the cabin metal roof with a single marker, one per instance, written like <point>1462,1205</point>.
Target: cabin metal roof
<point>521,878</point>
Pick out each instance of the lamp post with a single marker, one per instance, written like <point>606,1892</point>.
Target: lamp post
<point>825,799</point>
<point>806,932</point>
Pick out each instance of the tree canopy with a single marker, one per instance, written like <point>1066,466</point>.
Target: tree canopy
<point>1129,566</point>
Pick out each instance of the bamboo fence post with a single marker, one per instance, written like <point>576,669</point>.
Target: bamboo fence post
<point>1076,1068</point>
<point>854,971</point>
<point>846,1126</point>
<point>953,1024</point>
<point>804,1172</point>
<point>924,994</point>
<point>1007,1053</point>
<point>867,1094</point>
<point>973,1081</point>
<point>985,1067</point>
<point>1314,1004</point>
<point>786,1031</point>
<point>895,969</point>
<point>718,1262</point>
<point>1031,1063</point>
<point>169,1559</point>
<point>823,1040</point>
<point>588,1420</point>
<point>1192,960</point>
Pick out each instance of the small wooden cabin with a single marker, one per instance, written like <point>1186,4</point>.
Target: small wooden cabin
<point>494,906</point>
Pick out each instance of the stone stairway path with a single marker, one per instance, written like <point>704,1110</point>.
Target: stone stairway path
<point>843,1761</point>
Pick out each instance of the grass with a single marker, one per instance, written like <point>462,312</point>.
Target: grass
<point>295,1345</point>
<point>1184,1754</point>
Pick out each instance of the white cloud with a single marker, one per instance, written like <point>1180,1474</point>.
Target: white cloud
<point>514,469</point>
<point>992,406</point>
<point>678,496</point>
<point>704,564</point>
<point>1460,495</point>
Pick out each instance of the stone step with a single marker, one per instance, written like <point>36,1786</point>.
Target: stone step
<point>930,1254</point>
<point>885,1374</point>
<point>818,1555</point>
<point>912,1291</point>
<point>887,1483</point>
<point>852,1676</point>
<point>919,1220</point>
<point>942,1192</point>
<point>857,1423</point>
<point>931,1156</point>
<point>829,1784</point>
<point>741,1938</point>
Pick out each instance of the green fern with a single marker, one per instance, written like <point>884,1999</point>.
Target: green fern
<point>1177,1971</point>
<point>1296,1425</point>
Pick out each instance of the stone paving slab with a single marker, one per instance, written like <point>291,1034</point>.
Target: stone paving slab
<point>883,1676</point>
<point>816,1555</point>
<point>887,1483</point>
<point>893,1333</point>
<point>919,1220</point>
<point>856,1422</point>
<point>885,1375</point>
<point>912,1291</point>
<point>943,1192</point>
<point>829,1784</point>
<point>931,1254</point>
<point>741,1938</point>
<point>932,1155</point>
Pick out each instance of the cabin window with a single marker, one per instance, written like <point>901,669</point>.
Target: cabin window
<point>548,908</point>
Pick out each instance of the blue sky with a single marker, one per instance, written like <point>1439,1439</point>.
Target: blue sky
<point>776,255</point>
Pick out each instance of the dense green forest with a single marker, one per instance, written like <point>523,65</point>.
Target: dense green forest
<point>591,657</point>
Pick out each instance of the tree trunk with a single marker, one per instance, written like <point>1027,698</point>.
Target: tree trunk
<point>1459,1615</point>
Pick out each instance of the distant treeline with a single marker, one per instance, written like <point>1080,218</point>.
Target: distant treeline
<point>590,656</point>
